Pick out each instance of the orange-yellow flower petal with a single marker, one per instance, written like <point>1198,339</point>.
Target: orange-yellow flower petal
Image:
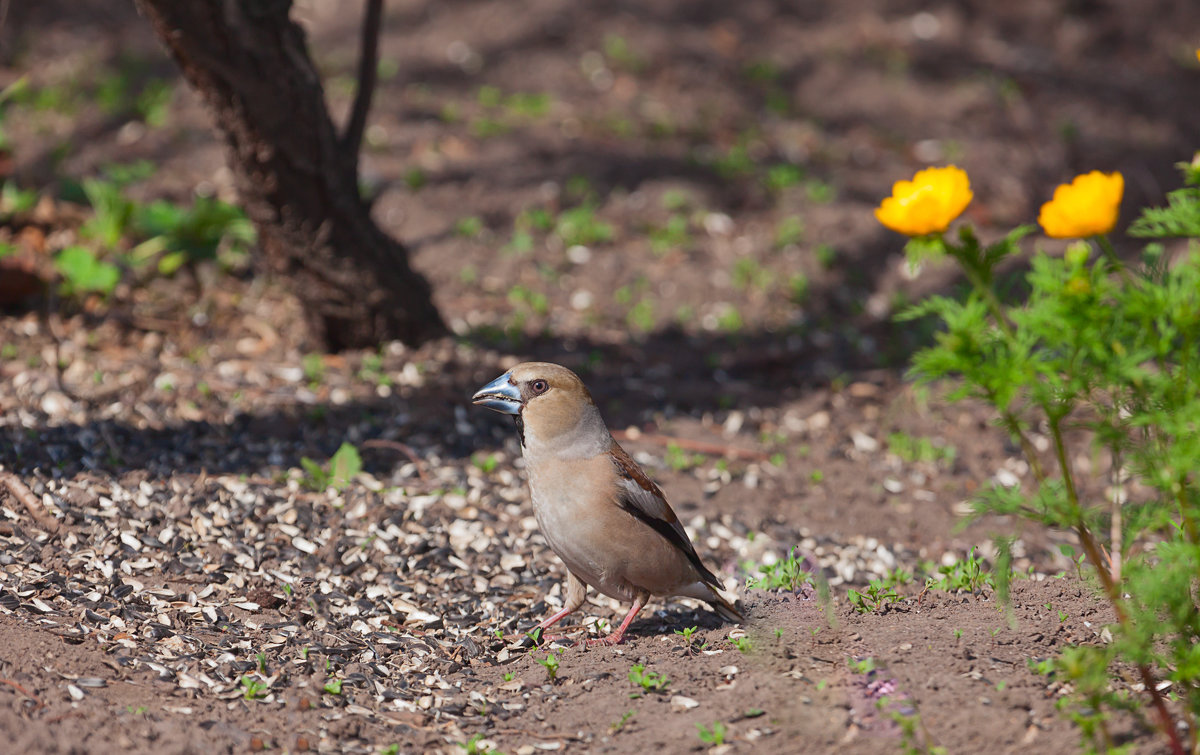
<point>1087,206</point>
<point>927,203</point>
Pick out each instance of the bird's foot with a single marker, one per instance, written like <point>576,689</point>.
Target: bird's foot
<point>613,639</point>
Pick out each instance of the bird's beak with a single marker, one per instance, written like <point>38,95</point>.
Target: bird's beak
<point>500,395</point>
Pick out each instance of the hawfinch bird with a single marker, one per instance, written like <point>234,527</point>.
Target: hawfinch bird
<point>601,514</point>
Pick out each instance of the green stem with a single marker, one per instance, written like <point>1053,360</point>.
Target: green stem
<point>975,276</point>
<point>1111,254</point>
<point>1014,426</point>
<point>1111,588</point>
<point>1189,523</point>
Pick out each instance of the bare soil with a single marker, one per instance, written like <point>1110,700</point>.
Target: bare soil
<point>200,596</point>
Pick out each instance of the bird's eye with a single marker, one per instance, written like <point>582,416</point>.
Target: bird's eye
<point>539,387</point>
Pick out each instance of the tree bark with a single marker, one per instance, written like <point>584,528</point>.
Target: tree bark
<point>296,179</point>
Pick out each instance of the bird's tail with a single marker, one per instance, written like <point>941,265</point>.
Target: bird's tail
<point>727,606</point>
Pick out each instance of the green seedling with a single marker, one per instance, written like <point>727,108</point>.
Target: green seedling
<point>474,746</point>
<point>861,665</point>
<point>966,574</point>
<point>874,597</point>
<point>749,274</point>
<point>714,734</point>
<point>83,273</point>
<point>789,231</point>
<point>314,368</point>
<point>689,638</point>
<point>783,176</point>
<point>550,663</point>
<point>253,689</point>
<point>785,574</point>
<point>620,724</point>
<point>486,464</point>
<point>798,288</point>
<point>911,449</point>
<point>729,320</point>
<point>343,466</point>
<point>649,681</point>
<point>580,226</point>
<point>681,461</point>
<point>469,227</point>
<point>898,577</point>
<point>674,235</point>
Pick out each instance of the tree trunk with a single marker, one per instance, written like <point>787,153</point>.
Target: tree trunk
<point>297,183</point>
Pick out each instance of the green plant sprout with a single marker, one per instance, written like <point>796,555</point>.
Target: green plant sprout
<point>343,466</point>
<point>689,638</point>
<point>616,726</point>
<point>785,574</point>
<point>861,665</point>
<point>550,663</point>
<point>253,689</point>
<point>714,734</point>
<point>649,681</point>
<point>965,574</point>
<point>914,739</point>
<point>876,596</point>
<point>475,746</point>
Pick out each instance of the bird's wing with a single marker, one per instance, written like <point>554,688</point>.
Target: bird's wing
<point>639,496</point>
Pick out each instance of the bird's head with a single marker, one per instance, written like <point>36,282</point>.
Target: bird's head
<point>550,401</point>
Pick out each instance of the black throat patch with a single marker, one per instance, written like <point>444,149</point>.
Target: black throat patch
<point>520,423</point>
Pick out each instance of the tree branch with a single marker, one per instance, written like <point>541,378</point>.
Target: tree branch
<point>368,71</point>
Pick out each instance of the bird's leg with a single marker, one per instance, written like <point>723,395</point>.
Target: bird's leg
<point>615,638</point>
<point>576,592</point>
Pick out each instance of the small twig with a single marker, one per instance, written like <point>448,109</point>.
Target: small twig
<point>403,448</point>
<point>699,446</point>
<point>368,70</point>
<point>30,501</point>
<point>17,686</point>
<point>1116,529</point>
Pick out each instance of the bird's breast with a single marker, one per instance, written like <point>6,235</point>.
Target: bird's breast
<point>572,502</point>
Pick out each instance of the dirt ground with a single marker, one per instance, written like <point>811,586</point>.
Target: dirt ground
<point>724,287</point>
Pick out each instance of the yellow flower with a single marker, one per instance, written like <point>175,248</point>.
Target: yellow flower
<point>927,203</point>
<point>1085,207</point>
